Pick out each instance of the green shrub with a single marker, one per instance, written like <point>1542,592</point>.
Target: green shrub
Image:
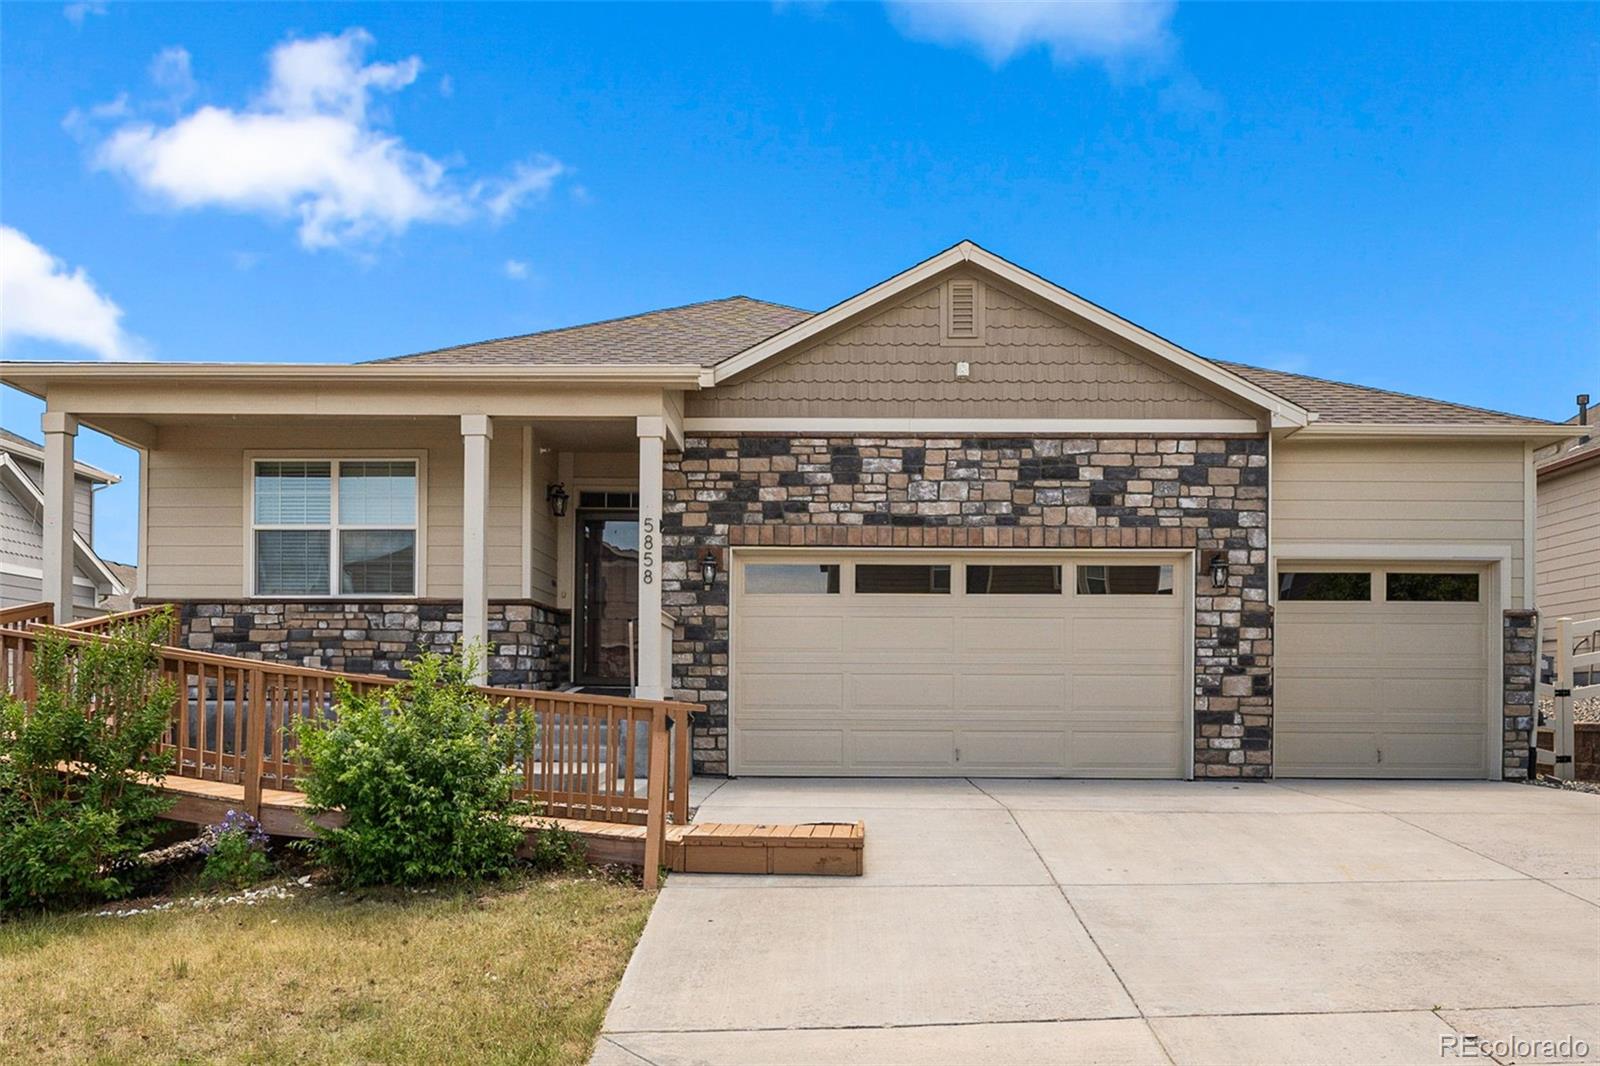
<point>236,852</point>
<point>552,848</point>
<point>423,774</point>
<point>100,708</point>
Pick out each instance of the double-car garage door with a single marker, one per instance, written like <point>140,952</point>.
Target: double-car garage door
<point>963,664</point>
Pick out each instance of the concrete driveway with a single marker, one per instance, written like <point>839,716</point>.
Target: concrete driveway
<point>1077,921</point>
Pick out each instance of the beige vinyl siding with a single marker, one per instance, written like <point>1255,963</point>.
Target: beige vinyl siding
<point>542,546</point>
<point>1568,528</point>
<point>83,508</point>
<point>1404,493</point>
<point>605,466</point>
<point>1027,364</point>
<point>197,492</point>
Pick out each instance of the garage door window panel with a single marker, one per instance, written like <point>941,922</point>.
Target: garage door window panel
<point>791,579</point>
<point>885,579</point>
<point>985,580</point>
<point>1325,586</point>
<point>1431,588</point>
<point>1124,580</point>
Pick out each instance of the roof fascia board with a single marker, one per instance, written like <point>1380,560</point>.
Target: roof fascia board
<point>1568,461</point>
<point>1284,413</point>
<point>1532,431</point>
<point>33,377</point>
<point>81,550</point>
<point>991,426</point>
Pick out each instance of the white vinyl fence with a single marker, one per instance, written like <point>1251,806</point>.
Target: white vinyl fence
<point>1571,693</point>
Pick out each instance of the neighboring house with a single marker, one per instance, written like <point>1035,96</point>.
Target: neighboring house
<point>95,584</point>
<point>963,523</point>
<point>1569,522</point>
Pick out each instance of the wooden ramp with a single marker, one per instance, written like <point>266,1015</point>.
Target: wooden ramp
<point>821,848</point>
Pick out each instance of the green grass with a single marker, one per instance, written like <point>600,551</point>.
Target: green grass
<point>516,973</point>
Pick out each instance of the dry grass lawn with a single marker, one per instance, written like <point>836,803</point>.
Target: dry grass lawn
<point>520,973</point>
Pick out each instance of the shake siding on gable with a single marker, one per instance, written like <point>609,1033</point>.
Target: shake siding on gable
<point>1569,544</point>
<point>1401,493</point>
<point>197,492</point>
<point>896,364</point>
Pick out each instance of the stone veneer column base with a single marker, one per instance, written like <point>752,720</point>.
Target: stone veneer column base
<point>1519,656</point>
<point>529,642</point>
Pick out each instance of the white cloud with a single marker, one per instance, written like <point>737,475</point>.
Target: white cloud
<point>312,147</point>
<point>77,12</point>
<point>170,70</point>
<point>1108,32</point>
<point>516,269</point>
<point>41,298</point>
<point>529,180</point>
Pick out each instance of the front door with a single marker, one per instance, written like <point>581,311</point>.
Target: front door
<point>608,596</point>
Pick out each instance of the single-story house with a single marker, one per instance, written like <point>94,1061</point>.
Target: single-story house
<point>96,583</point>
<point>962,523</point>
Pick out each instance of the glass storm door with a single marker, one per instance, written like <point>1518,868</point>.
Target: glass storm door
<point>608,581</point>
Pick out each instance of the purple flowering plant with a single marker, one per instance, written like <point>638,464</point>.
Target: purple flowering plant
<point>236,852</point>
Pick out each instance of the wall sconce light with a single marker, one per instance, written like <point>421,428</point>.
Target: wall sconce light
<point>1216,563</point>
<point>556,496</point>
<point>708,566</point>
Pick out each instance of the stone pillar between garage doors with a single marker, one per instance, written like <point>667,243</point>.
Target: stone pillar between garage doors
<point>1196,493</point>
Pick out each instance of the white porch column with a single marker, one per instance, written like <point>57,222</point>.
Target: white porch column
<point>652,651</point>
<point>60,431</point>
<point>476,432</point>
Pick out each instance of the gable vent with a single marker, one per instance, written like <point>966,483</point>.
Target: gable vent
<point>961,310</point>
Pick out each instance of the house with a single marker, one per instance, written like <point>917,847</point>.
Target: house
<point>1568,522</point>
<point>963,523</point>
<point>96,585</point>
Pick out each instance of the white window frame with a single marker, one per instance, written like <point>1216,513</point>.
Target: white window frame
<point>418,525</point>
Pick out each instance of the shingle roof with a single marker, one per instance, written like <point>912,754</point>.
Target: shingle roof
<point>713,331</point>
<point>1340,403</point>
<point>703,334</point>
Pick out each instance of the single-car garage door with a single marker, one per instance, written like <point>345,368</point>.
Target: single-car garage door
<point>978,663</point>
<point>1381,671</point>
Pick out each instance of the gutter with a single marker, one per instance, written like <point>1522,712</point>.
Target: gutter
<point>34,378</point>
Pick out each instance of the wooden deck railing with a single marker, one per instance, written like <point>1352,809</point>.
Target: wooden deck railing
<point>105,623</point>
<point>601,758</point>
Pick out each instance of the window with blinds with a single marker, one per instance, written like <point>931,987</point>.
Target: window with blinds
<point>323,527</point>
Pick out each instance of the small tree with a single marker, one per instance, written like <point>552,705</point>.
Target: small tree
<point>423,773</point>
<point>78,767</point>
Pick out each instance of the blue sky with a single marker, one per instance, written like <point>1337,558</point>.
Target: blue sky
<point>1406,196</point>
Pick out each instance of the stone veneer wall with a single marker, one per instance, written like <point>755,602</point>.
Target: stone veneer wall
<point>983,492</point>
<point>1518,632</point>
<point>529,641</point>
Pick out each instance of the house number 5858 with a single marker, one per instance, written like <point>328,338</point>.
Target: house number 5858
<point>647,552</point>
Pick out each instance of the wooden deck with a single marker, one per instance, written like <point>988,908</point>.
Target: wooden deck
<point>820,848</point>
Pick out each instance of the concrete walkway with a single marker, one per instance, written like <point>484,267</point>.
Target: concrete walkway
<point>1077,921</point>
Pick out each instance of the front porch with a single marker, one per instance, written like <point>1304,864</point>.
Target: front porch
<point>301,517</point>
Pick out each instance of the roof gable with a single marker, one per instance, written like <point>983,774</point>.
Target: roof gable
<point>964,344</point>
<point>1085,316</point>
